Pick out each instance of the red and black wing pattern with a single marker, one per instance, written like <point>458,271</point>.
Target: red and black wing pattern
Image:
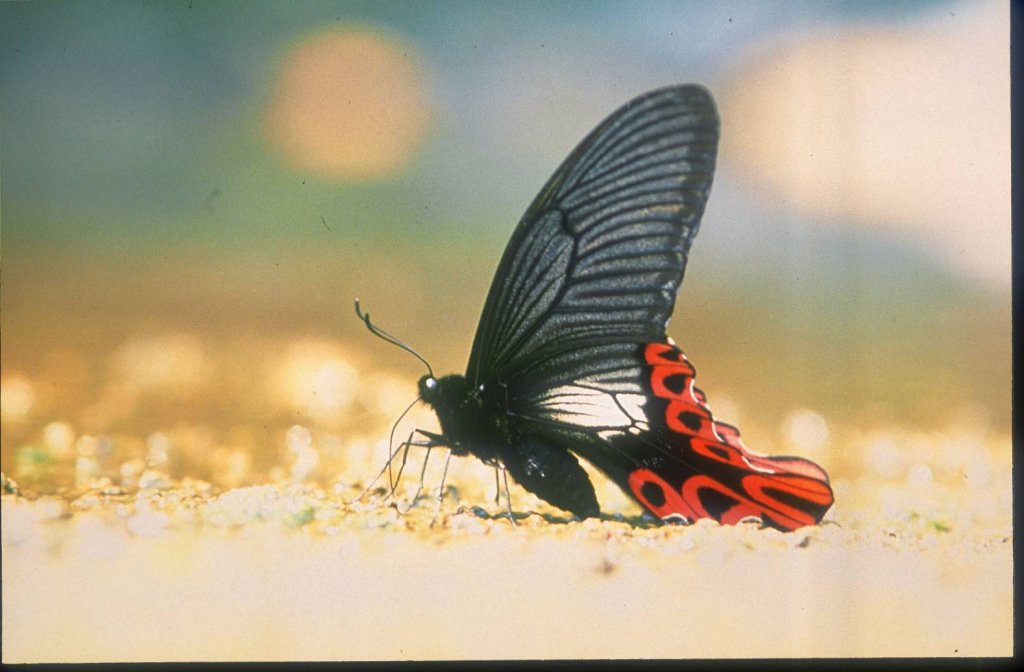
<point>571,348</point>
<point>640,418</point>
<point>708,472</point>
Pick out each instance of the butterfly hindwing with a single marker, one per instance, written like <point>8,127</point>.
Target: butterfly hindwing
<point>649,428</point>
<point>708,472</point>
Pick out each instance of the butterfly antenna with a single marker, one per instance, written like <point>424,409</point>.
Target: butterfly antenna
<point>380,333</point>
<point>391,442</point>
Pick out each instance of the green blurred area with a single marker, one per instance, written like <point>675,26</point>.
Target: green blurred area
<point>862,354</point>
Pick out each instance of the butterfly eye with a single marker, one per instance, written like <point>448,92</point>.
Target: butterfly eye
<point>428,388</point>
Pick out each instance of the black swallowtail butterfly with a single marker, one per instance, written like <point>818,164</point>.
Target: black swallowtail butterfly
<point>571,356</point>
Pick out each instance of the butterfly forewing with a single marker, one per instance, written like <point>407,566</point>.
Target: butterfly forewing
<point>600,253</point>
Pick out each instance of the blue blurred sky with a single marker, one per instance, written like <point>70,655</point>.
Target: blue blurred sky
<point>140,122</point>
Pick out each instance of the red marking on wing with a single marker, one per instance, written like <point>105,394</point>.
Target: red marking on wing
<point>688,502</point>
<point>663,353</point>
<point>660,373</point>
<point>680,412</point>
<point>673,500</point>
<point>722,452</point>
<point>743,508</point>
<point>730,435</point>
<point>760,479</point>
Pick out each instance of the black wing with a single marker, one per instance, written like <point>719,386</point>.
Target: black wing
<point>599,255</point>
<point>571,351</point>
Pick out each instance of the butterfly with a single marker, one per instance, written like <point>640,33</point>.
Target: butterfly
<point>571,358</point>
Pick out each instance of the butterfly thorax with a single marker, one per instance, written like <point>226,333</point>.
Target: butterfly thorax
<point>460,408</point>
<point>474,419</point>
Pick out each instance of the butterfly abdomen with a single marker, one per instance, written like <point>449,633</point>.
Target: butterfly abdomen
<point>553,474</point>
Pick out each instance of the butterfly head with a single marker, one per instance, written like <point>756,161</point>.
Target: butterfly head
<point>429,389</point>
<point>445,392</point>
<point>460,410</point>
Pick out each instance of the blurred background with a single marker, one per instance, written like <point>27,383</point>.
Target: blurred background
<point>192,193</point>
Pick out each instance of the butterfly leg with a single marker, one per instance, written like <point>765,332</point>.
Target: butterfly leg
<point>376,478</point>
<point>553,474</point>
<point>404,447</point>
<point>508,497</point>
<point>440,493</point>
<point>444,477</point>
<point>432,441</point>
<point>419,488</point>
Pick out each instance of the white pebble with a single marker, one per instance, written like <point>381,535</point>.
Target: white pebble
<point>920,476</point>
<point>148,523</point>
<point>152,479</point>
<point>883,457</point>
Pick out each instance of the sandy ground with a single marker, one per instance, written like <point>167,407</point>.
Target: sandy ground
<point>182,502</point>
<point>174,571</point>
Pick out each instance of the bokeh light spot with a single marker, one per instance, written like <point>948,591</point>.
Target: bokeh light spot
<point>316,378</point>
<point>906,129</point>
<point>59,437</point>
<point>349,105</point>
<point>162,363</point>
<point>806,431</point>
<point>16,397</point>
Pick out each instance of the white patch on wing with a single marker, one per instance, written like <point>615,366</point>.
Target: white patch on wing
<point>633,405</point>
<point>639,429</point>
<point>588,407</point>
